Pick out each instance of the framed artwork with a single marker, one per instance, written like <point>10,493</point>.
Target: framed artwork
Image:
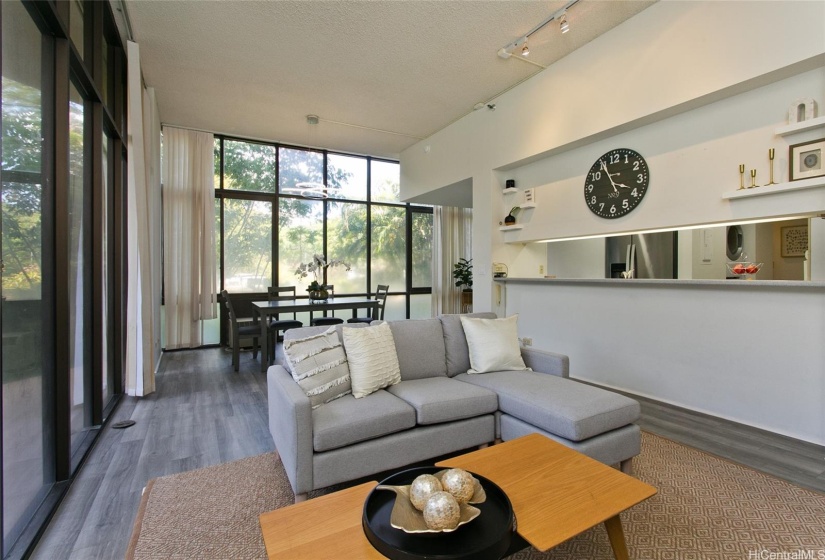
<point>794,241</point>
<point>806,160</point>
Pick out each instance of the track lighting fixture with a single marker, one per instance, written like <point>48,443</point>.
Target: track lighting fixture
<point>560,15</point>
<point>563,25</point>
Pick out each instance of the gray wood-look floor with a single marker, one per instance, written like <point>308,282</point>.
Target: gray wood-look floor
<point>204,414</point>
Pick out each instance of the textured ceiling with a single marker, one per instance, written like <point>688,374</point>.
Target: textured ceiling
<point>256,69</point>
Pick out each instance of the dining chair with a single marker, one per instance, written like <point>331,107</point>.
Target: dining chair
<point>239,329</point>
<point>285,293</point>
<point>378,310</point>
<point>324,321</point>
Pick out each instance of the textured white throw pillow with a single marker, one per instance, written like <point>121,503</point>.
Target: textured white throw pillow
<point>493,344</point>
<point>373,363</point>
<point>319,365</point>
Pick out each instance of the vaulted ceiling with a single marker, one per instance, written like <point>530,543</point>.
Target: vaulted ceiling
<point>406,67</point>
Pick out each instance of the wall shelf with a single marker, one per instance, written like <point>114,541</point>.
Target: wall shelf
<point>813,183</point>
<point>510,228</point>
<point>509,191</point>
<point>810,124</point>
<point>528,205</point>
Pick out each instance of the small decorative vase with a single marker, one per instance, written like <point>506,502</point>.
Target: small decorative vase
<point>509,220</point>
<point>320,294</point>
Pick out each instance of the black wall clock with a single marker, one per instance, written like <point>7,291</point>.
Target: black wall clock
<point>616,183</point>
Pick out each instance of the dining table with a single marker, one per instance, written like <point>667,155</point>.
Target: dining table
<point>267,309</point>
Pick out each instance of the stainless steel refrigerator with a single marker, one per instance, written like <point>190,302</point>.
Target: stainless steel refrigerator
<point>652,255</point>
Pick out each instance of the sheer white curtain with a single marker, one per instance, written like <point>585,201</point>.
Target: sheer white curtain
<point>452,240</point>
<point>143,194</point>
<point>189,234</point>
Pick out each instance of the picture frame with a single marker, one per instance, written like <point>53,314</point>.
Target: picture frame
<point>794,240</point>
<point>806,160</point>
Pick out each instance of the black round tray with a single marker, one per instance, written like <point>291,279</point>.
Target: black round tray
<point>487,536</point>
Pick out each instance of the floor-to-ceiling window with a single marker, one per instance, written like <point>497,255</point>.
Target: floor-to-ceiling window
<point>28,459</point>
<point>62,172</point>
<point>268,228</point>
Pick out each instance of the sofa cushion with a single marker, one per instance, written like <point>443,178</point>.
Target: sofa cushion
<point>304,332</point>
<point>493,344</point>
<point>349,420</point>
<point>564,407</point>
<point>373,363</point>
<point>441,399</point>
<point>419,345</point>
<point>455,343</point>
<point>318,364</point>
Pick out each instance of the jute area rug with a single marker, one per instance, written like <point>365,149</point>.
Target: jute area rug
<point>706,508</point>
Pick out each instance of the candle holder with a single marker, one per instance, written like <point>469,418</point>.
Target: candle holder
<point>741,176</point>
<point>753,179</point>
<point>771,154</point>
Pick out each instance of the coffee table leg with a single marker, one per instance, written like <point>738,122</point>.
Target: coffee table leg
<point>616,536</point>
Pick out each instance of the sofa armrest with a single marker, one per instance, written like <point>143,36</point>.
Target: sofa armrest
<point>546,362</point>
<point>290,423</point>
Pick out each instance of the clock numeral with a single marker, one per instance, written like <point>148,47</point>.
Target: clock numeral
<point>635,165</point>
<point>613,209</point>
<point>601,206</point>
<point>590,188</point>
<point>640,178</point>
<point>625,204</point>
<point>635,193</point>
<point>595,176</point>
<point>614,158</point>
<point>593,200</point>
<point>626,160</point>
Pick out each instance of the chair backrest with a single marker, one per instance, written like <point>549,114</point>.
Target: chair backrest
<point>228,302</point>
<point>281,293</point>
<point>380,295</point>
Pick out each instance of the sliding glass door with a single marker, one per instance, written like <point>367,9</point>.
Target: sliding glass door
<point>28,457</point>
<point>61,244</point>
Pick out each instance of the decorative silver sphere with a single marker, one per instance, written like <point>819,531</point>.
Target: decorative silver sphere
<point>421,489</point>
<point>442,511</point>
<point>460,484</point>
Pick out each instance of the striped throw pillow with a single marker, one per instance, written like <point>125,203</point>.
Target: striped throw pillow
<point>319,365</point>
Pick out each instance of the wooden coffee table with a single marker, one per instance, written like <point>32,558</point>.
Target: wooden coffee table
<point>556,493</point>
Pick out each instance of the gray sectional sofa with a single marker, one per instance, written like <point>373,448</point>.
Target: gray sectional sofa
<point>438,408</point>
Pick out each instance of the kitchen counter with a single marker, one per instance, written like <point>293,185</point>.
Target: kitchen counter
<point>649,283</point>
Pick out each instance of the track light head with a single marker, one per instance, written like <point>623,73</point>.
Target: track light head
<point>563,25</point>
<point>525,51</point>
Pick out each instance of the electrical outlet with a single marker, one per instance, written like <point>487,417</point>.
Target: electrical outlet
<point>541,269</point>
<point>527,341</point>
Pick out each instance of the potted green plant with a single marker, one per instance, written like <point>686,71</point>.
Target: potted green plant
<point>463,274</point>
<point>510,218</point>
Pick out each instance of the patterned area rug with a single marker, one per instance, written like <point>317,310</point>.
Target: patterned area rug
<point>706,508</point>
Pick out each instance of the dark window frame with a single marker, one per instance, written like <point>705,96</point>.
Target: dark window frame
<point>222,193</point>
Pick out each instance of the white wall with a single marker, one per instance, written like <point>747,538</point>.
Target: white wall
<point>675,57</point>
<point>697,88</point>
<point>757,358</point>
